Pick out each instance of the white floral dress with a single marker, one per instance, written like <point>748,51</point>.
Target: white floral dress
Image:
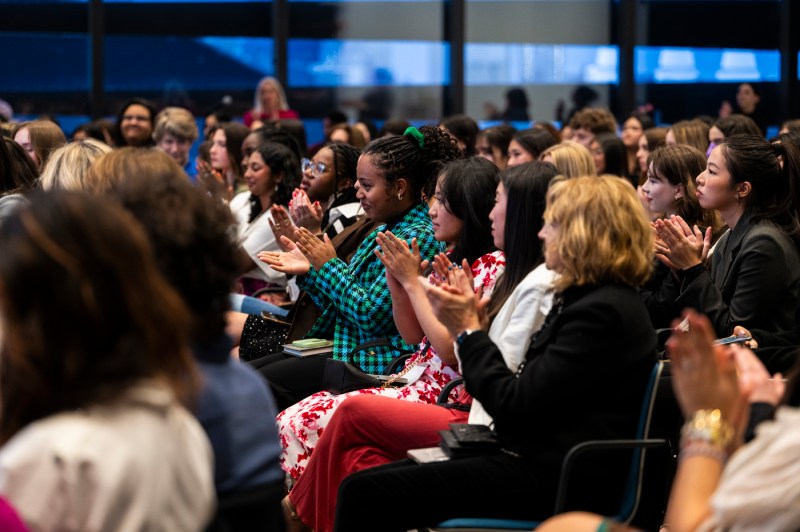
<point>301,425</point>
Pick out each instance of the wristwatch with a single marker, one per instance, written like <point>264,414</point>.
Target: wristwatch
<point>463,336</point>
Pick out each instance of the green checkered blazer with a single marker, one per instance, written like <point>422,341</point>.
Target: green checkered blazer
<point>355,300</point>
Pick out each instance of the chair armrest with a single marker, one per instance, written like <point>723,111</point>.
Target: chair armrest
<point>449,387</point>
<point>595,445</point>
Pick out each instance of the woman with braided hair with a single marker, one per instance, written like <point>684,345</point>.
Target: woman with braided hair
<point>460,215</point>
<point>354,298</point>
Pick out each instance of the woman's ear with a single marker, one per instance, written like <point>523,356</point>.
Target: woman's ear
<point>401,188</point>
<point>679,191</point>
<point>744,189</point>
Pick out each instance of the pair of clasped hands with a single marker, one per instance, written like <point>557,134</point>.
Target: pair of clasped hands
<point>450,291</point>
<point>679,246</point>
<point>296,231</point>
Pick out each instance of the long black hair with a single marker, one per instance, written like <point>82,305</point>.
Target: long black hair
<point>526,188</point>
<point>467,190</point>
<point>281,161</point>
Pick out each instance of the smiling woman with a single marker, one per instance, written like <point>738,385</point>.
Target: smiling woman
<point>271,174</point>
<point>354,297</point>
<point>135,123</point>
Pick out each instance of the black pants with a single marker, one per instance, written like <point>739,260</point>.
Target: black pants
<point>405,495</point>
<point>292,379</point>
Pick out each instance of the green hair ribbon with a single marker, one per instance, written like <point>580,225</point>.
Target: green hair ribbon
<point>414,132</point>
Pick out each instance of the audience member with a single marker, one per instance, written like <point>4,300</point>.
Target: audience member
<point>135,124</point>
<point>39,138</point>
<point>174,133</point>
<point>195,252</point>
<point>355,297</point>
<point>464,129</point>
<point>17,177</point>
<point>226,156</point>
<point>754,279</point>
<point>271,174</point>
<point>347,134</point>
<point>492,144</point>
<point>690,132</point>
<point>69,165</point>
<point>570,158</point>
<point>269,104</point>
<point>632,130</point>
<point>732,125</point>
<point>609,155</point>
<point>587,123</point>
<point>96,369</point>
<point>527,145</point>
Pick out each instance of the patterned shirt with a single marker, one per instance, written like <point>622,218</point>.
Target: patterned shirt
<point>356,303</point>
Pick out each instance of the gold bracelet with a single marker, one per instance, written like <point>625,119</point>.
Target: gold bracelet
<point>708,426</point>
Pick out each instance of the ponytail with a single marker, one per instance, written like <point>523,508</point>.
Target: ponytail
<point>773,171</point>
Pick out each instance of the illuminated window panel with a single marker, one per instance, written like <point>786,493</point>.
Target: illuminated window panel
<point>365,63</point>
<point>545,64</point>
<point>705,65</point>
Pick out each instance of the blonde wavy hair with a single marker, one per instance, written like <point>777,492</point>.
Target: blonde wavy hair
<point>603,235</point>
<point>571,159</point>
<point>68,165</point>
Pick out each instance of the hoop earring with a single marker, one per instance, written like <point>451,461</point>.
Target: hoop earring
<point>400,197</point>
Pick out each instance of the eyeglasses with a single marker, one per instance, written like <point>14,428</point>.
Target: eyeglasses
<point>316,169</point>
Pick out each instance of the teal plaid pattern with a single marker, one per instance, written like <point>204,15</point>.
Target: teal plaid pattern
<point>356,303</point>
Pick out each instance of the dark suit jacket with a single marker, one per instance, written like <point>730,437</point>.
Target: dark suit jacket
<point>584,378</point>
<point>754,280</point>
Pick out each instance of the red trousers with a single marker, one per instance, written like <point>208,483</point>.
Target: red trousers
<point>365,431</point>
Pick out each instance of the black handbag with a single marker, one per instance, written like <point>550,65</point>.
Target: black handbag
<point>342,377</point>
<point>468,440</point>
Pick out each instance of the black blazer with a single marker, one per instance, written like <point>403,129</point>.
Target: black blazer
<point>754,280</point>
<point>584,378</point>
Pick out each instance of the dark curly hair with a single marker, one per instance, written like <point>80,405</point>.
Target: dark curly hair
<point>281,161</point>
<point>402,157</point>
<point>189,232</point>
